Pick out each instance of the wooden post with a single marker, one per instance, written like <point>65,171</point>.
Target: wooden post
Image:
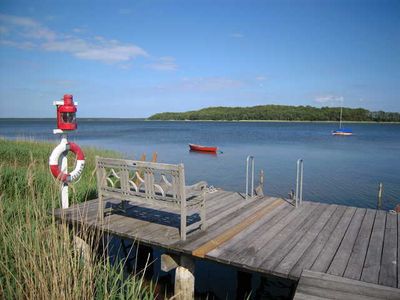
<point>260,188</point>
<point>243,286</point>
<point>144,260</point>
<point>380,192</point>
<point>184,279</point>
<point>84,249</point>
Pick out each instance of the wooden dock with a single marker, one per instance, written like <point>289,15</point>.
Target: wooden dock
<point>316,285</point>
<point>267,235</point>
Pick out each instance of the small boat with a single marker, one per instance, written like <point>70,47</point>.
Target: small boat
<point>194,147</point>
<point>342,131</point>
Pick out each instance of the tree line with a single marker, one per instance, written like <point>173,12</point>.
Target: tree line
<point>280,112</point>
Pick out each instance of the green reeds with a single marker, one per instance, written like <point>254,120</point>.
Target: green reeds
<point>41,258</point>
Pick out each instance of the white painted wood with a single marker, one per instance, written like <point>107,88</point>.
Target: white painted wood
<point>120,184</point>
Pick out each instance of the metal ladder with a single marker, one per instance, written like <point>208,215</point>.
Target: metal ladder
<point>299,183</point>
<point>249,171</point>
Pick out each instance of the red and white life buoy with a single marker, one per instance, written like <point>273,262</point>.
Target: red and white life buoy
<point>55,160</point>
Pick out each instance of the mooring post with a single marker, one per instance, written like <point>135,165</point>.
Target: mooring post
<point>380,192</point>
<point>260,188</point>
<point>184,279</point>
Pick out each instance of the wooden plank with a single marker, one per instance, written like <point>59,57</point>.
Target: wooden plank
<point>326,293</point>
<point>233,203</point>
<point>388,273</point>
<point>341,258</point>
<point>274,258</point>
<point>294,255</point>
<point>227,235</point>
<point>216,200</point>
<point>372,262</point>
<point>232,248</point>
<point>303,296</point>
<point>198,239</point>
<point>359,252</point>
<point>325,257</point>
<point>312,252</point>
<point>253,255</point>
<point>333,285</point>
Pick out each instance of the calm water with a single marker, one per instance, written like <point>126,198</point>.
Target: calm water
<point>343,170</point>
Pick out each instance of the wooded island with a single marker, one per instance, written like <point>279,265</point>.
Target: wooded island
<point>280,113</point>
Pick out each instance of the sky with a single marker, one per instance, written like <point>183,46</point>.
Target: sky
<point>132,59</point>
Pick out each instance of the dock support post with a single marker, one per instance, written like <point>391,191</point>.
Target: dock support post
<point>243,286</point>
<point>144,260</point>
<point>184,279</point>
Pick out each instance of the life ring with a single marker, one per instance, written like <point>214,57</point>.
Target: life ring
<point>55,157</point>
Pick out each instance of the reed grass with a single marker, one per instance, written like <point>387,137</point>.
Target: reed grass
<point>39,255</point>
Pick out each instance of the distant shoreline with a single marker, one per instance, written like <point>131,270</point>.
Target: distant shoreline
<point>274,121</point>
<point>215,121</point>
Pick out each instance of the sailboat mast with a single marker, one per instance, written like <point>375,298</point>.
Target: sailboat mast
<point>341,113</point>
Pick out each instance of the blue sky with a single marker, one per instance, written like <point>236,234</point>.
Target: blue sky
<point>136,58</point>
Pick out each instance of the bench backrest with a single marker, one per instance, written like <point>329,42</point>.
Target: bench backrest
<point>155,182</point>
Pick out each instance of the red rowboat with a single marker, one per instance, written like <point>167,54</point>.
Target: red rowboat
<point>194,147</point>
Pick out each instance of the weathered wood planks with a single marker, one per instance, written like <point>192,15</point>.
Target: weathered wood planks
<point>372,262</point>
<point>357,256</point>
<point>388,273</point>
<point>268,235</point>
<point>313,250</point>
<point>339,262</point>
<point>316,285</point>
<point>288,262</point>
<point>228,234</point>
<point>326,255</point>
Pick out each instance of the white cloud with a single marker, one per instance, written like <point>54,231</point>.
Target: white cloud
<point>97,49</point>
<point>26,27</point>
<point>19,45</point>
<point>165,63</point>
<point>26,33</point>
<point>329,99</point>
<point>20,21</point>
<point>261,78</point>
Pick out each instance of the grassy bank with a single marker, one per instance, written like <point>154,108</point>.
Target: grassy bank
<point>39,258</point>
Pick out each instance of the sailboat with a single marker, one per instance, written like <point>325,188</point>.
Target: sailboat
<point>342,131</point>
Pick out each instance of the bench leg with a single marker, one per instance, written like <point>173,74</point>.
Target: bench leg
<point>100,211</point>
<point>183,226</point>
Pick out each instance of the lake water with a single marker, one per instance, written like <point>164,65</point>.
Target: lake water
<point>342,170</point>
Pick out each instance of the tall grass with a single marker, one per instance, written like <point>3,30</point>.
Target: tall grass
<point>39,258</point>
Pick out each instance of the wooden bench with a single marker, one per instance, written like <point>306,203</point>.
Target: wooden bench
<point>156,184</point>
